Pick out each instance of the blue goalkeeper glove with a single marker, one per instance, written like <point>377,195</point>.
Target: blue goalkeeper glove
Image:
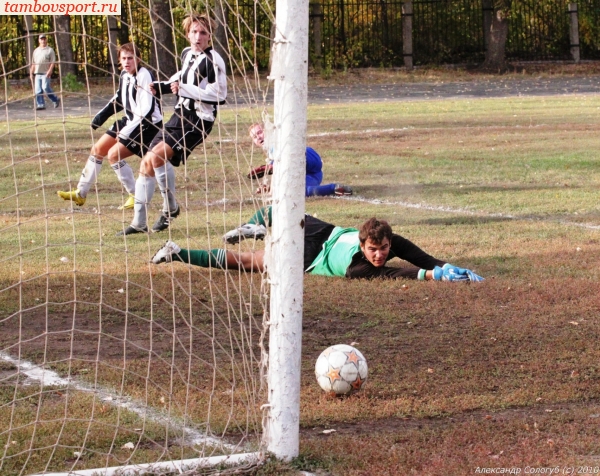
<point>449,272</point>
<point>475,278</point>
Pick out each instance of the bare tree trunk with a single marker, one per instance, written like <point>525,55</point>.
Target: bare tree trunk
<point>495,54</point>
<point>271,43</point>
<point>163,53</point>
<point>219,40</point>
<point>66,63</point>
<point>316,14</point>
<point>113,33</point>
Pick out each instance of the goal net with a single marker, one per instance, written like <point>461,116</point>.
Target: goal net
<point>106,359</point>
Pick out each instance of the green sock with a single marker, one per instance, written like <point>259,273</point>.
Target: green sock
<point>259,217</point>
<point>215,258</point>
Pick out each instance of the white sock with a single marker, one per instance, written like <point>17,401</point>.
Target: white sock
<point>125,175</point>
<point>89,175</point>
<point>171,187</point>
<point>144,191</point>
<point>165,177</point>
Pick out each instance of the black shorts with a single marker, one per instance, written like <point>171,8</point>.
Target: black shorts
<point>140,138</point>
<point>316,233</point>
<point>183,132</point>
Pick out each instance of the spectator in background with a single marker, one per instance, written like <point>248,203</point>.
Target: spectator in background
<point>42,66</point>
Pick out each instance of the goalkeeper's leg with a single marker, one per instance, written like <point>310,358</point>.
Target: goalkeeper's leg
<point>262,216</point>
<point>215,258</point>
<point>255,228</point>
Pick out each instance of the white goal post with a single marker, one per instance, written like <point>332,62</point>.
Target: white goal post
<point>289,73</point>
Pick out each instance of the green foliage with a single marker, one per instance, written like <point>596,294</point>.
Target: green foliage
<point>355,33</point>
<point>71,83</point>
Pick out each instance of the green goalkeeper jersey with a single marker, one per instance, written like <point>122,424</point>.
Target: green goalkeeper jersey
<point>337,253</point>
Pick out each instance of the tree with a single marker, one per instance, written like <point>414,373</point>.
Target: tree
<point>495,53</point>
<point>162,57</point>
<point>220,34</point>
<point>66,63</point>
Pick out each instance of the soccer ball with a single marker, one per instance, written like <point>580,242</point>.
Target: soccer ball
<point>341,369</point>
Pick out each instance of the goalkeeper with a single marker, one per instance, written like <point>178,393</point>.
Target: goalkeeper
<point>314,169</point>
<point>328,250</point>
<point>128,136</point>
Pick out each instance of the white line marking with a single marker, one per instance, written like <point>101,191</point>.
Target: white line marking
<point>46,377</point>
<point>366,131</point>
<point>464,211</point>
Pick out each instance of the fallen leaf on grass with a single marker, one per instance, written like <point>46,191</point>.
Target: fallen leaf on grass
<point>575,323</point>
<point>326,432</point>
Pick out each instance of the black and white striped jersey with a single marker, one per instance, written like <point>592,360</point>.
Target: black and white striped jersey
<point>202,83</point>
<point>135,98</point>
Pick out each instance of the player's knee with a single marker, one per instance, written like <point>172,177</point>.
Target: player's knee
<point>97,155</point>
<point>113,156</point>
<point>160,153</point>
<point>146,167</point>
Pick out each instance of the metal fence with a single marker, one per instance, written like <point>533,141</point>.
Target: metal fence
<point>448,31</point>
<point>361,33</point>
<point>539,30</point>
<point>589,28</point>
<point>353,33</point>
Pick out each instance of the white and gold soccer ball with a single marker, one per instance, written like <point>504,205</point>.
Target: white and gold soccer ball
<point>341,369</point>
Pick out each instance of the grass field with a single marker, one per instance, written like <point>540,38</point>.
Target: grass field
<point>501,374</point>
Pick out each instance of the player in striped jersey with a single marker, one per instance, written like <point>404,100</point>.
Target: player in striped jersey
<point>130,135</point>
<point>201,85</point>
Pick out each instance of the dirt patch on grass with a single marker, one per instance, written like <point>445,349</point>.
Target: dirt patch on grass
<point>398,425</point>
<point>87,336</point>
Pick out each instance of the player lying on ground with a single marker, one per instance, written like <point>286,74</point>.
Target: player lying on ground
<point>128,136</point>
<point>314,169</point>
<point>328,250</point>
<point>201,85</point>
